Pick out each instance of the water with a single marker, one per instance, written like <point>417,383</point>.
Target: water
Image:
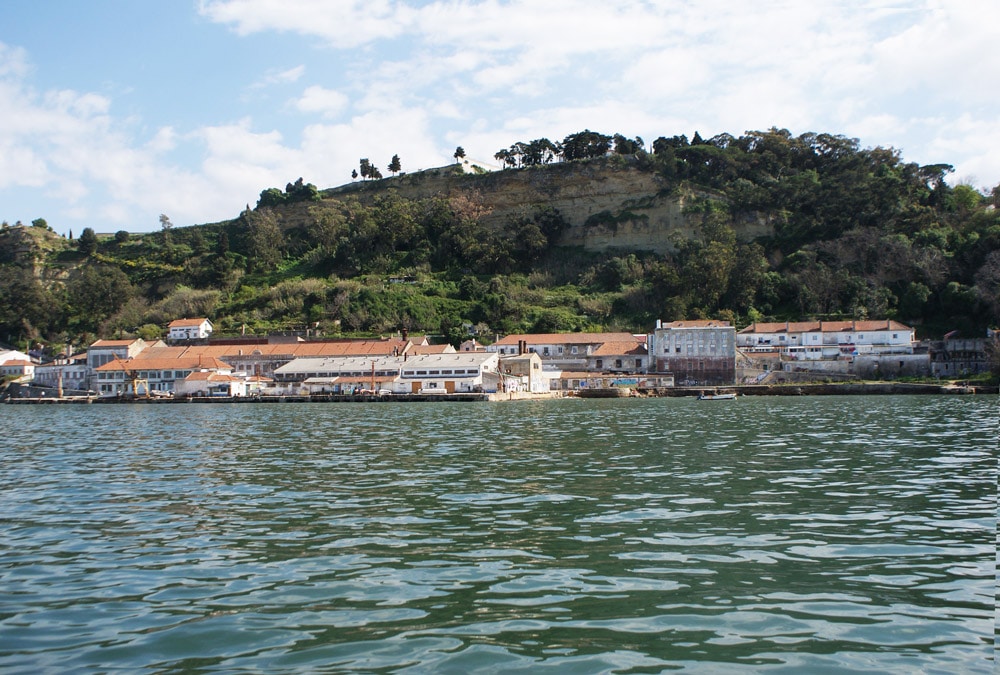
<point>851,534</point>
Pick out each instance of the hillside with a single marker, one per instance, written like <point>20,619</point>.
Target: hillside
<point>607,203</point>
<point>764,226</point>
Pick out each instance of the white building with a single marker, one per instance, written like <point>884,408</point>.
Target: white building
<point>142,376</point>
<point>828,340</point>
<point>189,329</point>
<point>19,370</point>
<point>338,374</point>
<point>572,351</point>
<point>71,373</point>
<point>449,373</point>
<point>106,351</point>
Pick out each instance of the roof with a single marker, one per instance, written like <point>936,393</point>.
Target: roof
<point>181,363</point>
<point>187,323</point>
<point>430,349</point>
<point>17,362</point>
<point>211,377</point>
<point>456,360</point>
<point>378,379</point>
<point>824,327</point>
<point>620,349</point>
<point>358,364</point>
<point>567,338</point>
<point>696,323</point>
<point>114,343</point>
<point>282,351</point>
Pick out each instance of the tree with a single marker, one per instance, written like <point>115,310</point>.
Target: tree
<point>95,292</point>
<point>121,236</point>
<point>263,241</point>
<point>627,146</point>
<point>165,225</point>
<point>270,197</point>
<point>354,174</point>
<point>87,243</point>
<point>40,222</point>
<point>585,144</point>
<point>459,154</point>
<point>366,168</point>
<point>394,165</point>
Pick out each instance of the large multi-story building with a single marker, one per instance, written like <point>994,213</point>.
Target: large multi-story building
<point>698,352</point>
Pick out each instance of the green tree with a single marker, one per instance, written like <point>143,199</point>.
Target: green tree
<point>87,242</point>
<point>40,222</point>
<point>94,293</point>
<point>264,240</point>
<point>459,154</point>
<point>394,165</point>
<point>584,145</point>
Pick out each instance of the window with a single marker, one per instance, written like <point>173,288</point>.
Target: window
<point>677,350</point>
<point>572,350</point>
<point>618,363</point>
<point>599,363</point>
<point>545,351</point>
<point>638,363</point>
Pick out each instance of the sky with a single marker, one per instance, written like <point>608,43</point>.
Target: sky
<point>115,112</point>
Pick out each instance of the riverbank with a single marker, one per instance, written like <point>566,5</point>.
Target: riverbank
<point>830,389</point>
<point>314,398</point>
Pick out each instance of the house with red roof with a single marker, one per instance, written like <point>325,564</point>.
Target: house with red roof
<point>574,351</point>
<point>189,329</point>
<point>154,376</point>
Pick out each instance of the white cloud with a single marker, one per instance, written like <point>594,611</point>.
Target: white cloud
<point>273,77</point>
<point>327,102</point>
<point>417,78</point>
<point>344,24</point>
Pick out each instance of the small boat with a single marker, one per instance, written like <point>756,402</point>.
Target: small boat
<point>717,397</point>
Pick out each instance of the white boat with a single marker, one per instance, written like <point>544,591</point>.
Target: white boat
<point>717,397</point>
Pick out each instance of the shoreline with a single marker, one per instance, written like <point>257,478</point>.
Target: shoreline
<point>824,389</point>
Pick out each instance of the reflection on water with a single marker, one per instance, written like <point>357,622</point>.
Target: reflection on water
<point>805,535</point>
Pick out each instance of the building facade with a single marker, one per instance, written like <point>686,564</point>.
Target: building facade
<point>700,352</point>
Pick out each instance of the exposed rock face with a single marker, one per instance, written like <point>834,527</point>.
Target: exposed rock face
<point>608,203</point>
<point>28,247</point>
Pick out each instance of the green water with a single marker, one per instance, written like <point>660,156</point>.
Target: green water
<point>840,534</point>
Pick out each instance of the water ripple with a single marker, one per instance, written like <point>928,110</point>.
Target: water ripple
<point>804,535</point>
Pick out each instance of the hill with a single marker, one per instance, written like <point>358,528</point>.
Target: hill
<point>763,226</point>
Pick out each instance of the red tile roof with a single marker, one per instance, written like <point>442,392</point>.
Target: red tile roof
<point>620,349</point>
<point>697,323</point>
<point>825,326</point>
<point>187,323</point>
<point>568,338</point>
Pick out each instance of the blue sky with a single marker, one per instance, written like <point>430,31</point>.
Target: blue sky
<point>113,112</point>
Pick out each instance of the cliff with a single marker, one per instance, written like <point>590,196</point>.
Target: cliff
<point>607,203</point>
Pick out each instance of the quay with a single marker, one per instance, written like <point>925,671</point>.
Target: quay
<point>835,389</point>
<point>305,398</point>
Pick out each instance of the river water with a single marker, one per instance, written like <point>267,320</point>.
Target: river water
<point>819,535</point>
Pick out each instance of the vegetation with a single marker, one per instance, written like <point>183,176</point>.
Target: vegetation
<point>858,233</point>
